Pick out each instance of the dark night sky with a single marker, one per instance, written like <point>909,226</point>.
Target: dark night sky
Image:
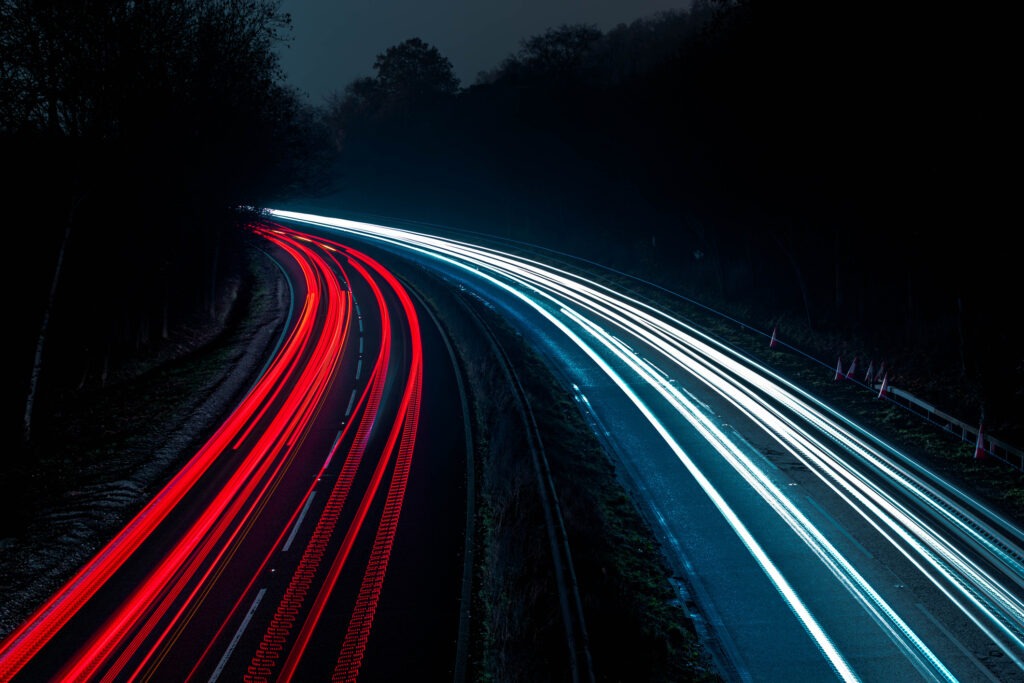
<point>336,41</point>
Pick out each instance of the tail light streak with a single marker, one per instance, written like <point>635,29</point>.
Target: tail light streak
<point>260,438</point>
<point>30,637</point>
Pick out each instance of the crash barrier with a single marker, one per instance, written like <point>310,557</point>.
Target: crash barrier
<point>985,445</point>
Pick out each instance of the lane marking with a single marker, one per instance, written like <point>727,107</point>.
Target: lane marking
<point>238,636</point>
<point>295,527</point>
<point>351,402</point>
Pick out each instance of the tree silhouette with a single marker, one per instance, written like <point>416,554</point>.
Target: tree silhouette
<point>558,53</point>
<point>413,71</point>
<point>354,111</point>
<point>137,105</point>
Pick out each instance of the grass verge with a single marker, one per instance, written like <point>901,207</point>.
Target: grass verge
<point>637,627</point>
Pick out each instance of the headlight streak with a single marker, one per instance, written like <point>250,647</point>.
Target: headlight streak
<point>764,378</point>
<point>985,601</point>
<point>805,447</point>
<point>999,605</point>
<point>835,658</point>
<point>1003,602</point>
<point>866,595</point>
<point>717,439</point>
<point>939,552</point>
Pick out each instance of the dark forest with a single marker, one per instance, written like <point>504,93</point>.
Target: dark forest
<point>833,171</point>
<point>829,171</point>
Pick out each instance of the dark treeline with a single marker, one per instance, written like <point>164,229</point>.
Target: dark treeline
<point>131,133</point>
<point>830,170</point>
<point>836,171</point>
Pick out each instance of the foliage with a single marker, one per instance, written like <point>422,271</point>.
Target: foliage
<point>557,54</point>
<point>170,89</point>
<point>414,70</point>
<point>623,579</point>
<point>413,78</point>
<point>140,127</point>
<point>792,160</point>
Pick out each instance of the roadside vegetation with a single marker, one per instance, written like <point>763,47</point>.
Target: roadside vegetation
<point>134,134</point>
<point>824,168</point>
<point>801,356</point>
<point>637,625</point>
<point>110,448</point>
<point>792,164</point>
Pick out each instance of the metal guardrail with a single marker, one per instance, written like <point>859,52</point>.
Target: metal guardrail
<point>990,446</point>
<point>985,445</point>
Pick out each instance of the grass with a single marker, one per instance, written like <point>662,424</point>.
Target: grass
<point>630,602</point>
<point>102,451</point>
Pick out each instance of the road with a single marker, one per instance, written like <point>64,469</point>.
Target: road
<point>317,535</point>
<point>812,549</point>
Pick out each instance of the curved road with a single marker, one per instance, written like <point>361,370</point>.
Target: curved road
<point>810,549</point>
<point>316,536</point>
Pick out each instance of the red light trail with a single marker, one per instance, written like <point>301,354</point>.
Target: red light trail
<point>200,550</point>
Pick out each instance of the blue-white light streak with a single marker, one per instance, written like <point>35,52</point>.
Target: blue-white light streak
<point>580,308</point>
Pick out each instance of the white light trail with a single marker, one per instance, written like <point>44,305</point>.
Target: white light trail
<point>915,514</point>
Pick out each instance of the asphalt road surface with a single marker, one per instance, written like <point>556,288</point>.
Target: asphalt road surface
<point>811,549</point>
<point>318,535</point>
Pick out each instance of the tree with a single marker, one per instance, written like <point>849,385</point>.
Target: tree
<point>354,110</point>
<point>413,72</point>
<point>556,54</point>
<point>176,105</point>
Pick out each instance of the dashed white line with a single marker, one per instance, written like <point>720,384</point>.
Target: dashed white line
<point>351,402</point>
<point>295,527</point>
<point>238,635</point>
